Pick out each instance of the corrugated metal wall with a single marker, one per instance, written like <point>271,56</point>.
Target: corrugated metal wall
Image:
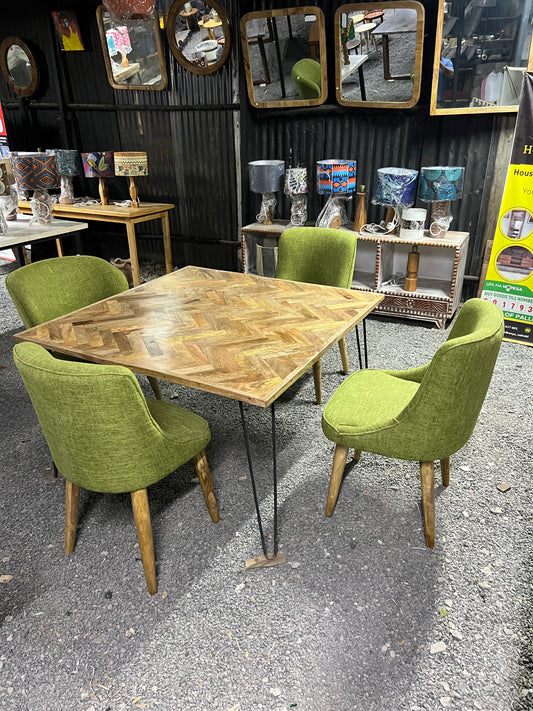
<point>201,132</point>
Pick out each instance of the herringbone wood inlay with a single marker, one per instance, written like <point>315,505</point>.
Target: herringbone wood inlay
<point>238,335</point>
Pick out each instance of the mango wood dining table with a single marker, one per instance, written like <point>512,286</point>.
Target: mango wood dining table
<point>242,336</point>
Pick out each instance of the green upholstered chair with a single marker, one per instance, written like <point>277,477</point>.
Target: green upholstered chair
<point>421,414</point>
<point>105,436</point>
<point>50,288</point>
<point>318,255</point>
<point>306,74</point>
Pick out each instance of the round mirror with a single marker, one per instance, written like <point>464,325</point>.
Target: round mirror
<point>18,66</point>
<point>198,35</point>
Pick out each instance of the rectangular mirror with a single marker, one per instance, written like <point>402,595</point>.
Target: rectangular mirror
<point>284,54</point>
<point>378,54</point>
<point>482,49</point>
<point>133,51</point>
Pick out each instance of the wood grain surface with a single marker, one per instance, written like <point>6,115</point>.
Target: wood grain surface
<point>238,335</point>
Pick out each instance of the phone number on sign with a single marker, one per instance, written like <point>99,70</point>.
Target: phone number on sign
<point>512,308</point>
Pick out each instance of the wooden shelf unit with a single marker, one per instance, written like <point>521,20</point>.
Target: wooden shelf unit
<point>378,258</point>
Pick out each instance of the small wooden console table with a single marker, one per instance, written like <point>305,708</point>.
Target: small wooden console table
<point>128,216</point>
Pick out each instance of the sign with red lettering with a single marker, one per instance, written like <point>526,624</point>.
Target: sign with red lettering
<point>3,130</point>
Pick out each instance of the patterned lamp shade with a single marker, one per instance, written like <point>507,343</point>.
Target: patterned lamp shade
<point>98,164</point>
<point>68,162</point>
<point>395,186</point>
<point>35,171</point>
<point>131,163</point>
<point>295,181</point>
<point>438,183</point>
<point>335,175</point>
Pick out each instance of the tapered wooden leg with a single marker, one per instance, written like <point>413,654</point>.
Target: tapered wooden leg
<point>204,476</point>
<point>339,462</point>
<point>317,377</point>
<point>155,387</point>
<point>445,471</point>
<point>356,455</point>
<point>344,356</point>
<point>72,498</point>
<point>141,514</point>
<point>428,501</point>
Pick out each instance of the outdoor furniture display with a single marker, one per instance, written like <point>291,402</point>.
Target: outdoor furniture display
<point>105,436</point>
<point>21,232</point>
<point>241,336</point>
<point>319,255</point>
<point>421,414</point>
<point>402,21</point>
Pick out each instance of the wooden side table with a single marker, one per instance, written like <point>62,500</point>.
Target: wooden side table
<point>186,15</point>
<point>128,216</point>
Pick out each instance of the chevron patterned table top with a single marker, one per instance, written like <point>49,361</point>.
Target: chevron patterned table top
<point>237,335</point>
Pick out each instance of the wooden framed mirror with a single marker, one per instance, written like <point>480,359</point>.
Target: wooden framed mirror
<point>482,49</point>
<point>198,34</point>
<point>19,66</point>
<point>133,51</point>
<point>284,54</point>
<point>378,54</point>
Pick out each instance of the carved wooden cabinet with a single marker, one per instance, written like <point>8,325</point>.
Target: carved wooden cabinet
<point>381,265</point>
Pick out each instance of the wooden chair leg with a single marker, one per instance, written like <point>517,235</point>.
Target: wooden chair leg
<point>344,356</point>
<point>339,462</point>
<point>317,377</point>
<point>356,455</point>
<point>445,471</point>
<point>141,514</point>
<point>72,498</point>
<point>204,476</point>
<point>428,501</point>
<point>155,387</point>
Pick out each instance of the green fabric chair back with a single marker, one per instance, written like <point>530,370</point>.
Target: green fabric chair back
<point>103,434</point>
<point>317,255</point>
<point>45,290</point>
<point>306,74</point>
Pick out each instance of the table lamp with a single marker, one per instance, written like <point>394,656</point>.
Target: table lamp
<point>131,164</point>
<point>296,189</point>
<point>266,177</point>
<point>99,165</point>
<point>68,164</point>
<point>396,189</point>
<point>8,193</point>
<point>335,177</point>
<point>439,185</point>
<point>37,172</point>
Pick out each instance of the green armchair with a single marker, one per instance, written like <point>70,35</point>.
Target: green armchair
<point>105,436</point>
<point>306,74</point>
<point>421,414</point>
<point>318,255</point>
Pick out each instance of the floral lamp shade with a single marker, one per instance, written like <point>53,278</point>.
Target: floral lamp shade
<point>101,165</point>
<point>295,188</point>
<point>395,186</point>
<point>131,164</point>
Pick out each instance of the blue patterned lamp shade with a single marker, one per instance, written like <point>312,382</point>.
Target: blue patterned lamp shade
<point>68,162</point>
<point>35,171</point>
<point>438,183</point>
<point>336,175</point>
<point>395,186</point>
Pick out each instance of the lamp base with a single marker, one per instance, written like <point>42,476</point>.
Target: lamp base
<point>411,280</point>
<point>133,193</point>
<point>333,214</point>
<point>66,196</point>
<point>103,191</point>
<point>441,218</point>
<point>41,208</point>
<point>268,205</point>
<point>298,210</point>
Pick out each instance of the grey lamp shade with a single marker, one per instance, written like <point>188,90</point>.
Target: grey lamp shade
<point>266,176</point>
<point>68,162</point>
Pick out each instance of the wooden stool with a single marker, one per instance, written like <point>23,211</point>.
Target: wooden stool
<point>364,31</point>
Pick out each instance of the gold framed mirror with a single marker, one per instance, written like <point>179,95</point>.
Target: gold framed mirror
<point>133,51</point>
<point>482,50</point>
<point>284,54</point>
<point>19,66</point>
<point>198,34</point>
<point>378,54</point>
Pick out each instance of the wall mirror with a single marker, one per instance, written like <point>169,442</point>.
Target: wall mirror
<point>378,54</point>
<point>284,54</point>
<point>19,66</point>
<point>133,51</point>
<point>198,35</point>
<point>482,49</point>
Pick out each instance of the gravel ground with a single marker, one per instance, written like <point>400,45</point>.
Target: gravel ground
<point>362,616</point>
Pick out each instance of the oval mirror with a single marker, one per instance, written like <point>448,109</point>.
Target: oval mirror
<point>378,54</point>
<point>18,66</point>
<point>284,54</point>
<point>133,51</point>
<point>198,35</point>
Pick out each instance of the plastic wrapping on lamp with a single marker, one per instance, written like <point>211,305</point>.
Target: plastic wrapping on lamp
<point>3,223</point>
<point>41,208</point>
<point>268,206</point>
<point>123,9</point>
<point>396,187</point>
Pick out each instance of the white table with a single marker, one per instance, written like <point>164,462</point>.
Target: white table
<point>21,232</point>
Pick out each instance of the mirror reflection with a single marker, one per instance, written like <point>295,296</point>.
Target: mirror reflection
<point>483,50</point>
<point>198,34</point>
<point>378,53</point>
<point>285,57</point>
<point>19,66</point>
<point>132,51</point>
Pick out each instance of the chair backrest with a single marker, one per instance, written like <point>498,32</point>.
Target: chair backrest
<point>306,74</point>
<point>443,413</point>
<point>44,290</point>
<point>317,255</point>
<point>95,420</point>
